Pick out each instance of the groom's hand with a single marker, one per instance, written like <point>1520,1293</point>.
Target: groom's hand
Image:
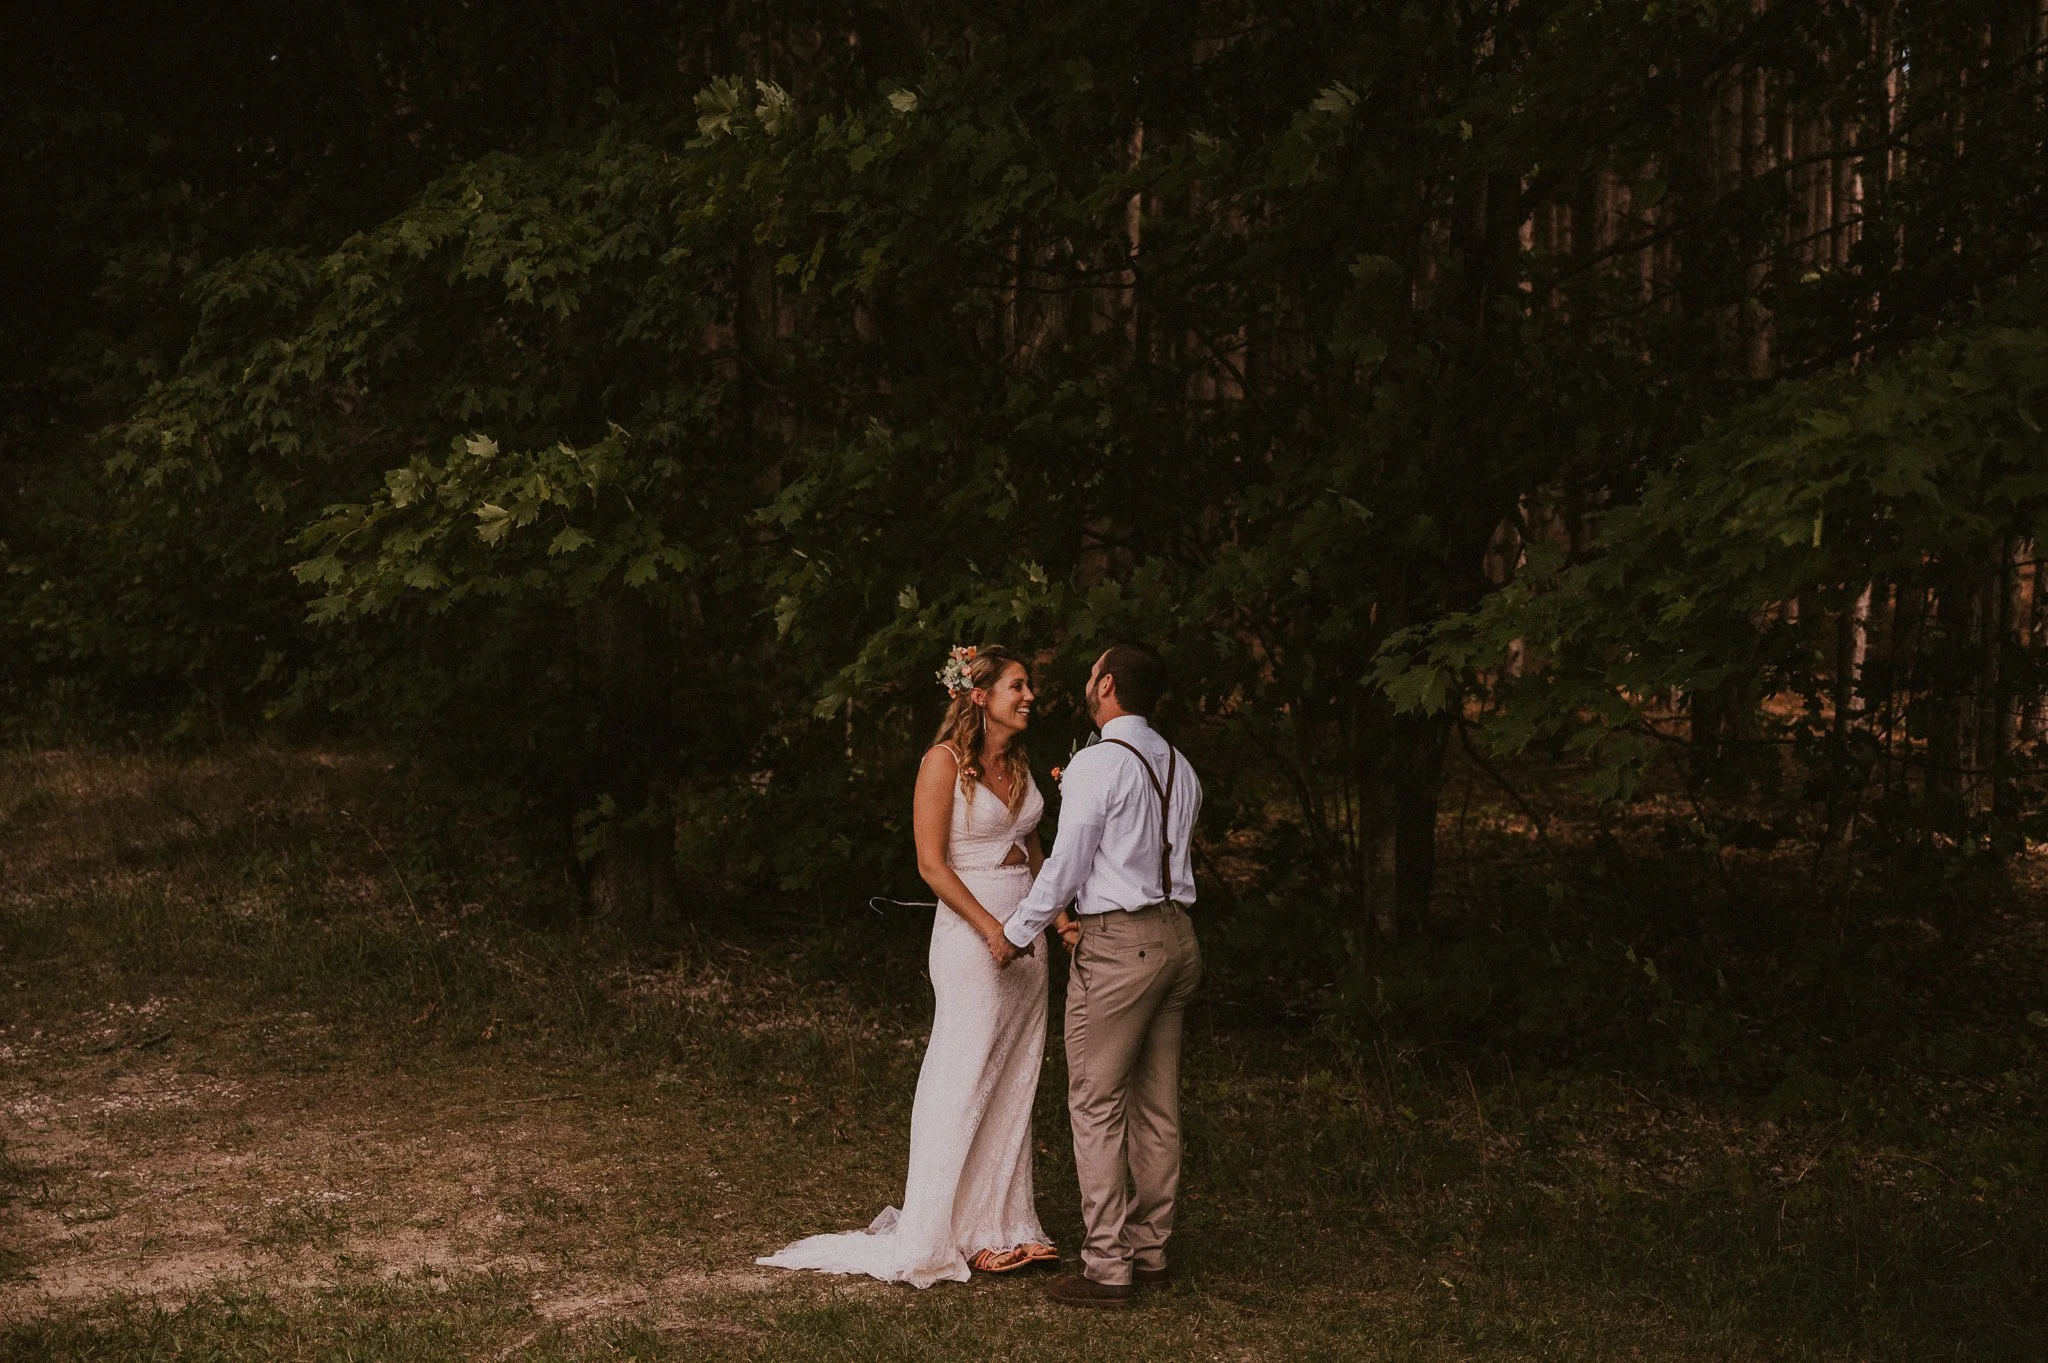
<point>1002,951</point>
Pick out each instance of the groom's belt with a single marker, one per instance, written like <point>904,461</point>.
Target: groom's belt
<point>1143,910</point>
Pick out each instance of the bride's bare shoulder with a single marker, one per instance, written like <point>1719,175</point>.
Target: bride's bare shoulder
<point>937,774</point>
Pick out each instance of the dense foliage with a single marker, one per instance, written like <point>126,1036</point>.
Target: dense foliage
<point>636,434</point>
<point>1898,502</point>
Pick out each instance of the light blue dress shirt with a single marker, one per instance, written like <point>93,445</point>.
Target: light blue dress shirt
<point>1106,856</point>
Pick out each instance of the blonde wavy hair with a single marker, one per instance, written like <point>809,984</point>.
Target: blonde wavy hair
<point>965,727</point>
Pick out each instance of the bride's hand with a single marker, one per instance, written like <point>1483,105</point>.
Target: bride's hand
<point>1002,951</point>
<point>1069,929</point>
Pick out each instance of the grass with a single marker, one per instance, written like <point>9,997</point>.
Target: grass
<point>299,1061</point>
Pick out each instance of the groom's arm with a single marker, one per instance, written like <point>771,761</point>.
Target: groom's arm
<point>1083,807</point>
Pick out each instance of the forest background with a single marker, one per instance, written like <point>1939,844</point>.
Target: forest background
<point>1624,422</point>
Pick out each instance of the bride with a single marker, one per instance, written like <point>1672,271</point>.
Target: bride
<point>968,1202</point>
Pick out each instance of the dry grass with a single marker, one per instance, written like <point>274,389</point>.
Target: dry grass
<point>296,1062</point>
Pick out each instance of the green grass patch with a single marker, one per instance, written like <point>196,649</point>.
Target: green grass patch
<point>361,1085</point>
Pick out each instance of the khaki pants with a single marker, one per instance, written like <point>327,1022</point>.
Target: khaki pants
<point>1127,996</point>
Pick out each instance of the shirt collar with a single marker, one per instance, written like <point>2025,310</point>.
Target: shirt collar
<point>1125,724</point>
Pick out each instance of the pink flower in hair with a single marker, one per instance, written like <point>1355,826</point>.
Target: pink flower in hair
<point>953,676</point>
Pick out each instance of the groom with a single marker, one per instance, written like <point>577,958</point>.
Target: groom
<point>1127,815</point>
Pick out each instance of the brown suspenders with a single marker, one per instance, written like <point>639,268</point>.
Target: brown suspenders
<point>1165,794</point>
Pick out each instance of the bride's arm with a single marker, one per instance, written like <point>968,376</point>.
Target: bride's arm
<point>938,781</point>
<point>1034,853</point>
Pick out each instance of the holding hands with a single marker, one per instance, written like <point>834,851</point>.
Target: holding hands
<point>1003,951</point>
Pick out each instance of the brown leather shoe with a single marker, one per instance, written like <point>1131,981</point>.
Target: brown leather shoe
<point>1072,1289</point>
<point>1152,1277</point>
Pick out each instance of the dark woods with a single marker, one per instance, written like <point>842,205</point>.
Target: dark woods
<point>626,410</point>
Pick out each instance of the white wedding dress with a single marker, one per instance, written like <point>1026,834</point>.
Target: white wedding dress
<point>969,1187</point>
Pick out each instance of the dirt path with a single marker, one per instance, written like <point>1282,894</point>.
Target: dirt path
<point>145,1173</point>
<point>178,1141</point>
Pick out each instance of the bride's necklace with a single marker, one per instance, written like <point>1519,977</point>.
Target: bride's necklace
<point>994,778</point>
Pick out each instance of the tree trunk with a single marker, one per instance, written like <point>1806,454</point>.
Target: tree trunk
<point>1949,609</point>
<point>1421,781</point>
<point>2034,639</point>
<point>1379,805</point>
<point>624,657</point>
<point>1852,627</point>
<point>1397,806</point>
<point>1994,730</point>
<point>1723,722</point>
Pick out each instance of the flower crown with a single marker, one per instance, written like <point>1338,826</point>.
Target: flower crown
<point>953,676</point>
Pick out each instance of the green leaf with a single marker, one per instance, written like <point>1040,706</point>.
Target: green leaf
<point>776,111</point>
<point>1337,100</point>
<point>326,568</point>
<point>494,522</point>
<point>568,541</point>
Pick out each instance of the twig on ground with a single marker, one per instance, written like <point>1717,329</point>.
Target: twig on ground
<point>1935,1167</point>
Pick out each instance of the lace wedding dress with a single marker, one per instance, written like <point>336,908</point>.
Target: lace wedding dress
<point>969,1187</point>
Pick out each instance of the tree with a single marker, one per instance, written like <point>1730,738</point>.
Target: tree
<point>669,454</point>
<point>1891,500</point>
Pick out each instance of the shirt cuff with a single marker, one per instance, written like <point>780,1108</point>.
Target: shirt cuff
<point>1017,919</point>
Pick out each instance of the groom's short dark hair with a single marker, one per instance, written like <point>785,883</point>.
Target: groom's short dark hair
<point>1140,677</point>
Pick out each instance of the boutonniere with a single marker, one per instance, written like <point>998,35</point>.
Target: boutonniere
<point>1058,772</point>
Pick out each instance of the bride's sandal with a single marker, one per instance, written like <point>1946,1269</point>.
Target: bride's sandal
<point>1011,1259</point>
<point>999,1260</point>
